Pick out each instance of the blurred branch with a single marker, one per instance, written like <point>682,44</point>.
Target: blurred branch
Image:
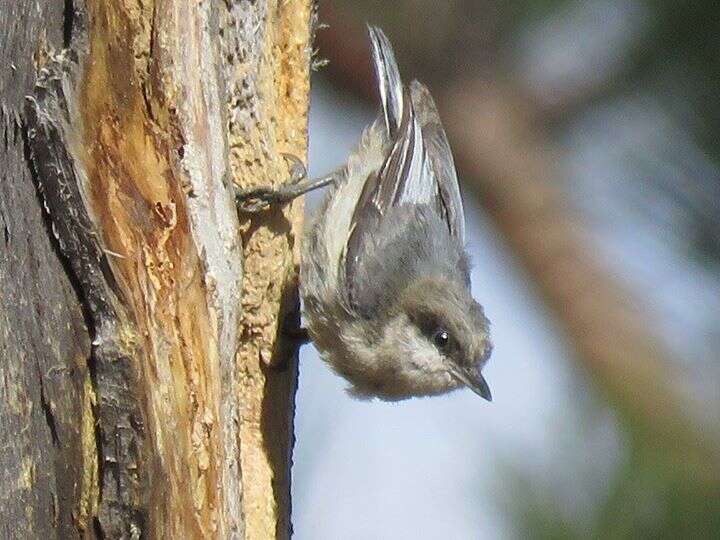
<point>512,169</point>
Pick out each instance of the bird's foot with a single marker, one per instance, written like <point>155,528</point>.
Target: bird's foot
<point>260,199</point>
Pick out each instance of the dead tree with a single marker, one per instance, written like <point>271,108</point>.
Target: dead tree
<point>143,392</point>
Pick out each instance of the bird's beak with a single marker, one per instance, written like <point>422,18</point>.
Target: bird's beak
<point>473,379</point>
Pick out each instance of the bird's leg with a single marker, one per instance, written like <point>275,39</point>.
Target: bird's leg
<point>298,335</point>
<point>258,199</point>
<point>291,336</point>
<point>292,329</point>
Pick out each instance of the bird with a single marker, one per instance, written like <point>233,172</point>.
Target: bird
<point>384,274</point>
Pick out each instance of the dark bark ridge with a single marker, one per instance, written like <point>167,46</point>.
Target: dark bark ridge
<point>46,420</point>
<point>120,419</point>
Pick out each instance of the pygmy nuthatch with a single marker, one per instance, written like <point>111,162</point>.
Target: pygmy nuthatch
<point>384,278</point>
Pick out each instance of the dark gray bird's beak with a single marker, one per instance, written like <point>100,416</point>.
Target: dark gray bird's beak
<point>473,379</point>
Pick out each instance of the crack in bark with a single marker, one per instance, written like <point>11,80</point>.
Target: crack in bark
<point>68,22</point>
<point>47,410</point>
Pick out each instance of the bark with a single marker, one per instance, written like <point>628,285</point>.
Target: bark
<point>144,390</point>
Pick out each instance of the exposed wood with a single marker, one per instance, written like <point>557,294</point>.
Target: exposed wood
<point>142,118</point>
<point>269,116</point>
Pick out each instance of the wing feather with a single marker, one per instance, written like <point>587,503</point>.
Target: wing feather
<point>418,169</point>
<point>388,78</point>
<point>439,159</point>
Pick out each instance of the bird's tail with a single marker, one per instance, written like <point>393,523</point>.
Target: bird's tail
<point>388,78</point>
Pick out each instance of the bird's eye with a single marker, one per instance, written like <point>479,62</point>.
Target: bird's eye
<point>442,338</point>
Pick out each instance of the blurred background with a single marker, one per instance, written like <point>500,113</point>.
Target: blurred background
<point>587,140</point>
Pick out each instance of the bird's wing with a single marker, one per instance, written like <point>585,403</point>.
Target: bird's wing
<point>439,160</point>
<point>418,169</point>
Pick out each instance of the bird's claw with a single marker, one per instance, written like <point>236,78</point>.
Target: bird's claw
<point>298,171</point>
<point>254,200</point>
<point>259,199</point>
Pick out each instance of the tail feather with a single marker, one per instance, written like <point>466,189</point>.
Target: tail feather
<point>389,81</point>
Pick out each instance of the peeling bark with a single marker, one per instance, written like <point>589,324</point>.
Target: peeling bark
<point>139,118</point>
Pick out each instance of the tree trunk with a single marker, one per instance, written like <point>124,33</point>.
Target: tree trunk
<point>144,392</point>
